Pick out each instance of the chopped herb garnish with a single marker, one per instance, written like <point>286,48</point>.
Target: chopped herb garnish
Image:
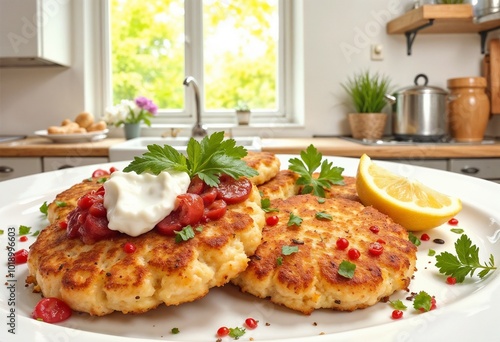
<point>311,160</point>
<point>237,332</point>
<point>185,234</point>
<point>175,331</point>
<point>422,301</point>
<point>61,204</point>
<point>398,305</point>
<point>346,269</point>
<point>321,215</point>
<point>457,230</point>
<point>265,203</point>
<point>414,239</point>
<point>321,200</point>
<point>44,208</point>
<point>466,262</point>
<point>208,158</point>
<point>279,260</point>
<point>431,252</point>
<point>24,230</point>
<point>102,180</point>
<point>199,229</point>
<point>294,220</point>
<point>287,250</point>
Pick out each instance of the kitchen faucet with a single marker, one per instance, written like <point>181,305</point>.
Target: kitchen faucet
<point>198,129</point>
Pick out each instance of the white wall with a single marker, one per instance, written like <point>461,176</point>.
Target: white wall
<point>336,43</point>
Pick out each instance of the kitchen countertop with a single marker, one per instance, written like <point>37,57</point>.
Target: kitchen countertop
<point>346,148</point>
<point>41,147</point>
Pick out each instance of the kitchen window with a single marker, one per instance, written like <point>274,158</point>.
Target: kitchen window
<point>234,49</point>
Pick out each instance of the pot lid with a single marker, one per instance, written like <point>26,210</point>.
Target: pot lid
<point>421,89</point>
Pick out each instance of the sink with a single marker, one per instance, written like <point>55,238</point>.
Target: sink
<point>137,146</point>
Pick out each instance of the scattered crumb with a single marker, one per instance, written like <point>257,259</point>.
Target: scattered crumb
<point>315,324</point>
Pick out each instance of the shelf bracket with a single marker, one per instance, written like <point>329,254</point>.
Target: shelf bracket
<point>412,34</point>
<point>484,35</point>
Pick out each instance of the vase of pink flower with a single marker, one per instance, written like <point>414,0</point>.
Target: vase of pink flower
<point>131,114</point>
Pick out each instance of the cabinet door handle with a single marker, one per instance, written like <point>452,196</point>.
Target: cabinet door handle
<point>6,169</point>
<point>470,170</point>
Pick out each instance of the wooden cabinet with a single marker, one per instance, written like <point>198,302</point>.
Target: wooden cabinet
<point>17,167</point>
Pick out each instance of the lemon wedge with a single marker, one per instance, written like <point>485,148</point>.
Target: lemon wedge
<point>408,202</point>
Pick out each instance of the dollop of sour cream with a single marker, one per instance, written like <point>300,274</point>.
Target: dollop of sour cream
<point>135,203</point>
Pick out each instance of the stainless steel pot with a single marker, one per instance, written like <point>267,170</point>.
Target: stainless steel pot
<point>419,112</point>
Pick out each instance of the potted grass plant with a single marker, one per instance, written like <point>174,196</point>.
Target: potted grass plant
<point>367,94</point>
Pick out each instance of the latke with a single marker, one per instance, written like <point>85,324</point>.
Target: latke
<point>265,163</point>
<point>280,186</point>
<point>101,278</point>
<point>309,278</point>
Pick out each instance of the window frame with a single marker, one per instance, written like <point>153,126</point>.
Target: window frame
<point>193,64</point>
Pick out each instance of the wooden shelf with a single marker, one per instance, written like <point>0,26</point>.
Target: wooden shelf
<point>440,19</point>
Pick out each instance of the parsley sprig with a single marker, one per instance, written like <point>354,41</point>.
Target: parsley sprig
<point>208,158</point>
<point>465,262</point>
<point>311,160</point>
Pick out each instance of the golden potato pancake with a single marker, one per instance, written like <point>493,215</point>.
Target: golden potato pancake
<point>266,164</point>
<point>102,277</point>
<point>347,190</point>
<point>308,278</point>
<point>66,200</point>
<point>280,186</point>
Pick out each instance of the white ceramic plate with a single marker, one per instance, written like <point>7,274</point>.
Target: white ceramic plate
<point>465,312</point>
<point>73,137</point>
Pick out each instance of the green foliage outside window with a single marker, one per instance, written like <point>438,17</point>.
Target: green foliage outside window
<point>240,52</point>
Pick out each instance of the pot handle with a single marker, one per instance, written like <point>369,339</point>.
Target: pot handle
<point>424,76</point>
<point>389,98</point>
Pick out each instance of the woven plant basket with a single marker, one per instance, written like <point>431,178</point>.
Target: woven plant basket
<point>367,125</point>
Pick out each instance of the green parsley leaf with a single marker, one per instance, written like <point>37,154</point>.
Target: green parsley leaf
<point>102,180</point>
<point>346,269</point>
<point>44,208</point>
<point>457,230</point>
<point>294,220</point>
<point>185,234</point>
<point>61,204</point>
<point>24,230</point>
<point>265,203</point>
<point>175,331</point>
<point>414,239</point>
<point>279,260</point>
<point>237,332</point>
<point>431,252</point>
<point>466,262</point>
<point>321,215</point>
<point>311,160</point>
<point>422,301</point>
<point>208,158</point>
<point>287,250</point>
<point>398,305</point>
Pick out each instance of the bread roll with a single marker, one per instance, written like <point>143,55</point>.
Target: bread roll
<point>97,126</point>
<point>84,119</point>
